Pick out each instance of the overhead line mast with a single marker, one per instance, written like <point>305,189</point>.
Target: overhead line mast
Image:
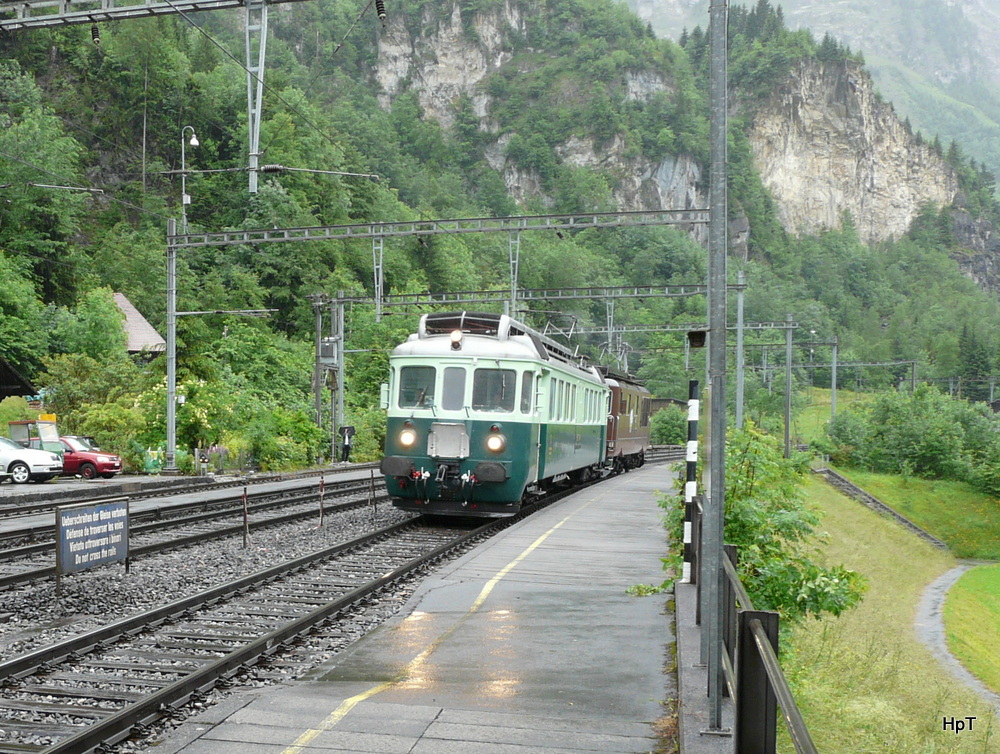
<point>47,13</point>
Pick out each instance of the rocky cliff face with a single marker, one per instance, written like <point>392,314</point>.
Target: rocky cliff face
<point>825,145</point>
<point>450,61</point>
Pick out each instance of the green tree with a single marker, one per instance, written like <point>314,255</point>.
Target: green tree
<point>96,328</point>
<point>669,426</point>
<point>36,223</point>
<point>23,336</point>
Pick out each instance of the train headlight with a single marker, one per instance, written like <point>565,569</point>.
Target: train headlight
<point>407,437</point>
<point>456,340</point>
<point>495,442</point>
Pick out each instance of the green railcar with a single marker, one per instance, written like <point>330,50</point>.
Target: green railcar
<point>483,410</point>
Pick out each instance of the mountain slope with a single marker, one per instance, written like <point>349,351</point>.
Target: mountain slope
<point>935,60</point>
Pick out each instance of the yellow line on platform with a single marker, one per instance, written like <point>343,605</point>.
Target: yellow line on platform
<point>408,670</point>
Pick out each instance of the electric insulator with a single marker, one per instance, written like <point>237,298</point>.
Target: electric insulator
<point>271,168</point>
<point>380,9</point>
<point>95,34</point>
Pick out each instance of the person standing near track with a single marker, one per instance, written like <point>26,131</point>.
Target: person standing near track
<point>346,436</point>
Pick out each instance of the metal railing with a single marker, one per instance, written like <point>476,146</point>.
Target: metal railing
<point>753,674</point>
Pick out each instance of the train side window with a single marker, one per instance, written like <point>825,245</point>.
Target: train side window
<point>646,406</point>
<point>527,381</point>
<point>416,387</point>
<point>494,390</point>
<point>453,389</point>
<point>552,398</point>
<point>574,408</point>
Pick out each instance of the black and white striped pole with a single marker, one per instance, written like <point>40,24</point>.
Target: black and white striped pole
<point>690,483</point>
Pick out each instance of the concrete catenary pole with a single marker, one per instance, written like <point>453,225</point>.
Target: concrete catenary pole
<point>717,250</point>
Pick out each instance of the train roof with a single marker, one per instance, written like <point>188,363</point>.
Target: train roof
<point>618,379</point>
<point>498,327</point>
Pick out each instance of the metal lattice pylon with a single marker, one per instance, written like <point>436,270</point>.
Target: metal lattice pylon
<point>256,46</point>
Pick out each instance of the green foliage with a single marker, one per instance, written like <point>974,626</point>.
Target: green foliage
<point>95,329</point>
<point>669,426</point>
<point>775,532</point>
<point>13,409</point>
<point>22,335</point>
<point>582,77</point>
<point>117,426</point>
<point>773,529</point>
<point>927,434</point>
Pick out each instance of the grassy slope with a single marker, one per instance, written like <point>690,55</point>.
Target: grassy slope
<point>864,681</point>
<point>966,520</point>
<point>809,422</point>
<point>972,618</point>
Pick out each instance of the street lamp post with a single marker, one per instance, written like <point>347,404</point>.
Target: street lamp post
<point>185,199</point>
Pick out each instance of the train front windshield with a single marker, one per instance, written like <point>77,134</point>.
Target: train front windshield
<point>416,387</point>
<point>492,390</point>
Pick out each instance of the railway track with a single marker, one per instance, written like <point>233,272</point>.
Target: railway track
<point>16,506</point>
<point>870,501</point>
<point>148,533</point>
<point>97,689</point>
<point>94,690</point>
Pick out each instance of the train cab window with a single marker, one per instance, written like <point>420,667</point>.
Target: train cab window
<point>453,389</point>
<point>494,390</point>
<point>416,387</point>
<point>527,396</point>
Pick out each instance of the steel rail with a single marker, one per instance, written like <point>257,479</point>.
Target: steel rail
<point>211,509</point>
<point>22,665</point>
<point>39,574</point>
<point>868,500</point>
<point>119,725</point>
<point>66,496</point>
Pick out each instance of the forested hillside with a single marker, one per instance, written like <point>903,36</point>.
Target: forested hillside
<point>109,118</point>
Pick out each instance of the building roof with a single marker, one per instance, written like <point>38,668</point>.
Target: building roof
<point>12,383</point>
<point>141,335</point>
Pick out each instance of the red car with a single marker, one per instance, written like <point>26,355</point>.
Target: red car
<point>81,459</point>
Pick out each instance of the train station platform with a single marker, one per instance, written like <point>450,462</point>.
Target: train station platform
<point>529,643</point>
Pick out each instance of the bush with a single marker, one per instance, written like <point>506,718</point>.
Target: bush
<point>669,426</point>
<point>774,531</point>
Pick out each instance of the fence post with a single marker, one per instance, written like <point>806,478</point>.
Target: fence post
<point>756,704</point>
<point>730,615</point>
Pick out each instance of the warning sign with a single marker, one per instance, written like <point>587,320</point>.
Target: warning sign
<point>91,535</point>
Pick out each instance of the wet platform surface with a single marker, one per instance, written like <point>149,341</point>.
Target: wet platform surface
<point>530,643</point>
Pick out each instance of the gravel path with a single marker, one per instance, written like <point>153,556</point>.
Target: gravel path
<point>930,628</point>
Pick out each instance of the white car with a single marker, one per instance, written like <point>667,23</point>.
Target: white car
<point>26,464</point>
